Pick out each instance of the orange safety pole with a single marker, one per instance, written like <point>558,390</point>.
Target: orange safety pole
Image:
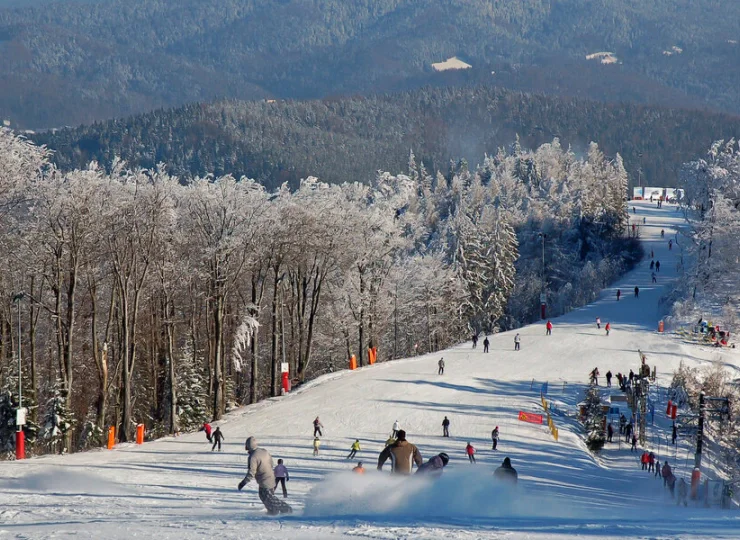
<point>353,362</point>
<point>111,437</point>
<point>140,434</point>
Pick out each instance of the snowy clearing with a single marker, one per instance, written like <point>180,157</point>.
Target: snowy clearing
<point>178,488</point>
<point>603,57</point>
<point>451,63</point>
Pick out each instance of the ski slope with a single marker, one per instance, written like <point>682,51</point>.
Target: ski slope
<point>178,488</point>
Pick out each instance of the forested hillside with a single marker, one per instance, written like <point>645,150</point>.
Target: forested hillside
<point>63,66</point>
<point>350,139</point>
<point>146,300</point>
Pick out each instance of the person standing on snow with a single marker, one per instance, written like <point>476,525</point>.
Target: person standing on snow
<point>494,438</point>
<point>666,472</point>
<point>657,469</point>
<point>609,379</point>
<point>662,233</point>
<point>609,432</point>
<point>608,328</point>
<point>486,343</point>
<point>207,429</point>
<point>634,442</point>
<point>402,454</point>
<point>259,468</point>
<point>683,491</point>
<point>475,340</point>
<point>470,451</point>
<point>517,342</point>
<point>674,433</point>
<point>445,427</point>
<point>653,277</point>
<point>670,247</point>
<point>441,364</point>
<point>281,476</point>
<point>644,459</point>
<point>434,466</point>
<point>594,376</point>
<point>622,423</point>
<point>651,462</point>
<point>548,326</point>
<point>506,472</point>
<point>354,449</point>
<point>598,323</point>
<point>217,437</point>
<point>637,292</point>
<point>317,425</point>
<point>396,429</point>
<point>619,293</point>
<point>652,265</point>
<point>316,444</point>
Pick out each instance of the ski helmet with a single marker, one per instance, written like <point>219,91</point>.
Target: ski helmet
<point>445,458</point>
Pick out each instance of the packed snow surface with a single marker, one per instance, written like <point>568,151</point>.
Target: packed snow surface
<point>178,488</point>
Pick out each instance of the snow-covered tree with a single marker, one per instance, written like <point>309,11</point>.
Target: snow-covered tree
<point>594,419</point>
<point>57,420</point>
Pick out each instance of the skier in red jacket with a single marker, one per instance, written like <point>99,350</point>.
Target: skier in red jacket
<point>549,328</point>
<point>471,452</point>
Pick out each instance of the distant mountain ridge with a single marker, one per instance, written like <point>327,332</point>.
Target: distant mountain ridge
<point>350,139</point>
<point>65,66</point>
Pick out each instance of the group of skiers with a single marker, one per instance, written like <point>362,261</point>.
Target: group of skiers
<point>607,327</point>
<point>215,437</point>
<point>403,455</point>
<point>487,343</point>
<point>650,463</point>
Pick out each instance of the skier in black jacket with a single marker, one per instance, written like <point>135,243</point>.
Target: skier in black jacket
<point>506,472</point>
<point>445,427</point>
<point>217,437</point>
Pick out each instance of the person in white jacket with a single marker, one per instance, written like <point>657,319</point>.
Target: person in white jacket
<point>260,468</point>
<point>396,429</point>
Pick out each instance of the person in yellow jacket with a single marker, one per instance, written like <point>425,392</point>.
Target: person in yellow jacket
<point>316,444</point>
<point>354,449</point>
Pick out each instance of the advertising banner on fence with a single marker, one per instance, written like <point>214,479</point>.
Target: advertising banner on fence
<point>529,417</point>
<point>637,193</point>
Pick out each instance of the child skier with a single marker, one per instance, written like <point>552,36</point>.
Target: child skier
<point>281,476</point>
<point>494,438</point>
<point>316,444</point>
<point>517,342</point>
<point>471,452</point>
<point>548,326</point>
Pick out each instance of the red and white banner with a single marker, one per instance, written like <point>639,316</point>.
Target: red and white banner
<point>529,417</point>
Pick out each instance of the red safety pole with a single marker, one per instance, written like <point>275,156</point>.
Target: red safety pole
<point>20,444</point>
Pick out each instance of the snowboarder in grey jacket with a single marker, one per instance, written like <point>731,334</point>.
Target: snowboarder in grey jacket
<point>259,468</point>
